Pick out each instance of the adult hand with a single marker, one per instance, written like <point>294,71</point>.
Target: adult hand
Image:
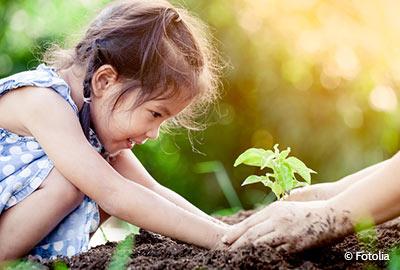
<point>314,192</point>
<point>290,226</point>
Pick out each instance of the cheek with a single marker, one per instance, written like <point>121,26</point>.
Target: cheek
<point>118,128</point>
<point>124,126</point>
<point>108,123</point>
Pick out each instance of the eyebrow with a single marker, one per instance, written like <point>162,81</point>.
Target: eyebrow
<point>164,110</point>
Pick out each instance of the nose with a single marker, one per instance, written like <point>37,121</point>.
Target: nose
<point>153,133</point>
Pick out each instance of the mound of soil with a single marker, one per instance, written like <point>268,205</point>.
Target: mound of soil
<point>153,251</point>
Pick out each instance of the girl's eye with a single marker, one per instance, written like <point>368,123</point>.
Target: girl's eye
<point>156,114</point>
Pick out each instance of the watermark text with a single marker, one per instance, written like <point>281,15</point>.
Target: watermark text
<point>366,256</point>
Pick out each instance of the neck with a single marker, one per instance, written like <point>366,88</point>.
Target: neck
<point>74,76</point>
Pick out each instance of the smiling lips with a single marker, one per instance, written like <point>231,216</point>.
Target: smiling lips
<point>131,142</point>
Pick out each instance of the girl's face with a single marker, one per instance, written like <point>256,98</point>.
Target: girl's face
<point>124,127</point>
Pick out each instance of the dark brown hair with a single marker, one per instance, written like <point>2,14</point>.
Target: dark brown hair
<point>155,47</point>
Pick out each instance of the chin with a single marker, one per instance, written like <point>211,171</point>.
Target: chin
<point>114,154</point>
<point>112,149</point>
<point>116,146</point>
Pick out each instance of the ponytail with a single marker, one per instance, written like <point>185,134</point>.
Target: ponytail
<point>94,62</point>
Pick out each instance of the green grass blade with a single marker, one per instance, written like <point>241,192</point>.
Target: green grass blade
<point>223,180</point>
<point>122,253</point>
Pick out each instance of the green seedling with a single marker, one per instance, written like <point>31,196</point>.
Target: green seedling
<point>282,179</point>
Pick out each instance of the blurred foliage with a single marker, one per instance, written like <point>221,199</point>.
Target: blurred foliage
<point>21,264</point>
<point>319,76</point>
<point>394,256</point>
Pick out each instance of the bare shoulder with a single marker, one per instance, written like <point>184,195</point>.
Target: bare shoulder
<point>19,106</point>
<point>44,113</point>
<point>55,126</point>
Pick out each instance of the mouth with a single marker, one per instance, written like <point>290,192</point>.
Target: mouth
<point>131,142</point>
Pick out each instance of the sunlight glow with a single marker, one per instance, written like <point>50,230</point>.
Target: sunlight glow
<point>347,62</point>
<point>262,138</point>
<point>352,114</point>
<point>19,21</point>
<point>383,98</point>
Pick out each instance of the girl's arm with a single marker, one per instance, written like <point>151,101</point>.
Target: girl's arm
<point>325,191</point>
<point>57,129</point>
<point>130,167</point>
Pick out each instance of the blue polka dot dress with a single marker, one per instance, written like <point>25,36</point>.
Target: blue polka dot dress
<point>24,166</point>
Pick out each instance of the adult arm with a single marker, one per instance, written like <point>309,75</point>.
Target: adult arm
<point>325,191</point>
<point>377,195</point>
<point>295,226</point>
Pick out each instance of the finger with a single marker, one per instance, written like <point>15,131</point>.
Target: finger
<point>287,247</point>
<point>252,234</point>
<point>253,220</point>
<point>282,243</point>
<point>290,247</point>
<point>297,194</point>
<point>261,215</point>
<point>293,245</point>
<point>234,233</point>
<point>272,239</point>
<point>221,246</point>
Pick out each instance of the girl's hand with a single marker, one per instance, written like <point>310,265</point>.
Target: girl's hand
<point>315,192</point>
<point>218,243</point>
<point>290,226</point>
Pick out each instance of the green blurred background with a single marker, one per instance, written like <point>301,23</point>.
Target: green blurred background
<point>318,76</point>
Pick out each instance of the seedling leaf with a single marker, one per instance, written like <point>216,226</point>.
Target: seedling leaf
<point>300,168</point>
<point>252,157</point>
<point>267,182</point>
<point>252,179</point>
<point>287,174</point>
<point>267,158</point>
<point>283,169</point>
<point>284,153</point>
<point>276,149</point>
<point>277,189</point>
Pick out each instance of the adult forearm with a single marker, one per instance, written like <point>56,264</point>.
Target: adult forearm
<point>325,191</point>
<point>347,181</point>
<point>148,210</point>
<point>377,195</point>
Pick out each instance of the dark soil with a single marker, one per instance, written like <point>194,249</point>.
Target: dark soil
<point>157,252</point>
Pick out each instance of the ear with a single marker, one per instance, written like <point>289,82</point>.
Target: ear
<point>103,77</point>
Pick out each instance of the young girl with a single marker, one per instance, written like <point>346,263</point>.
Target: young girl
<point>318,214</point>
<point>140,64</point>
